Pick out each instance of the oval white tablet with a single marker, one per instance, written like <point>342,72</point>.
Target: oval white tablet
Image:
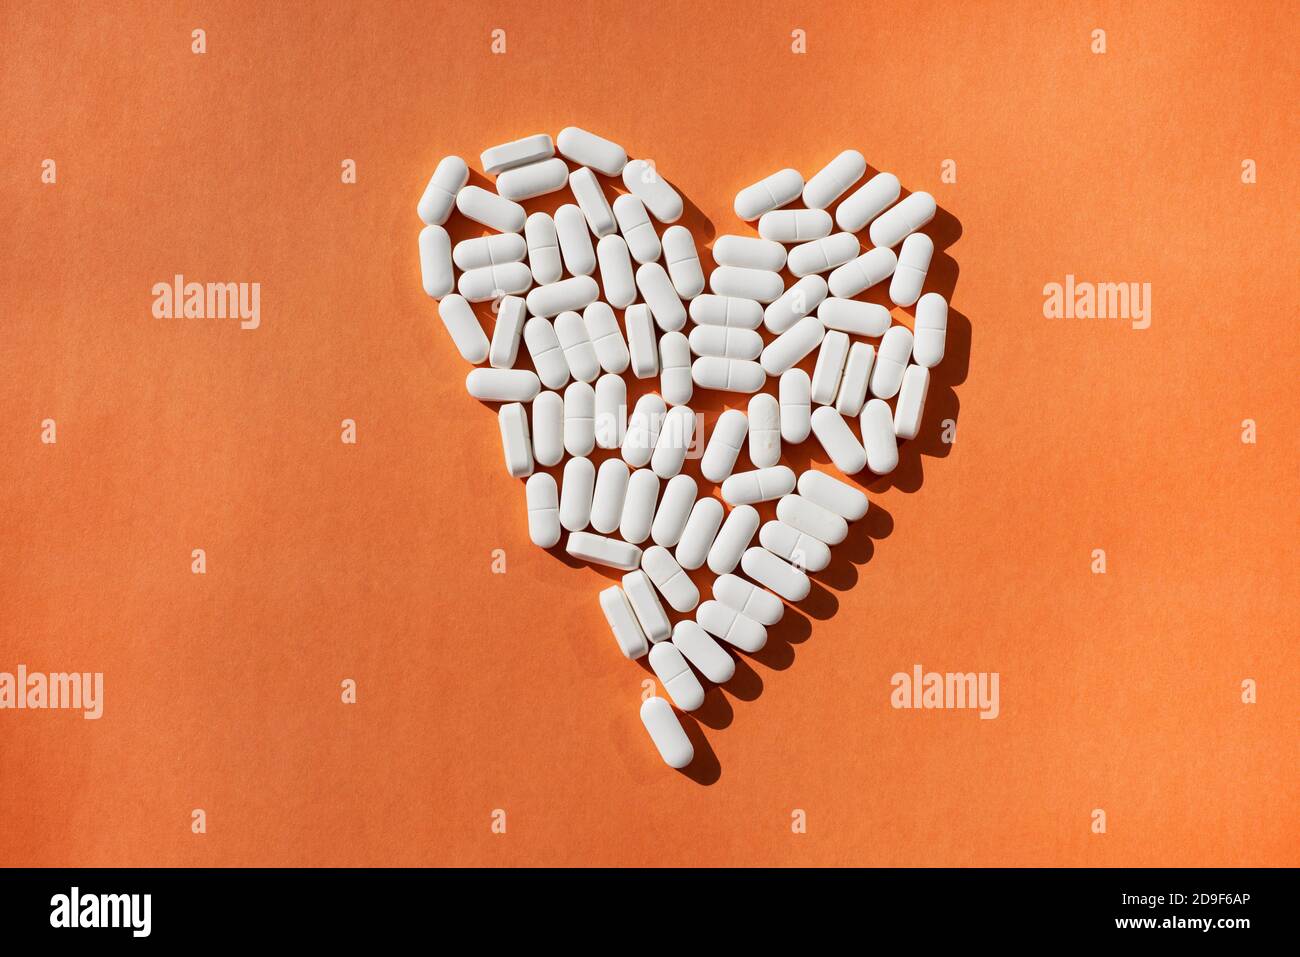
<point>577,347</point>
<point>732,539</point>
<point>764,430</point>
<point>573,294</point>
<point>588,149</point>
<point>758,485</point>
<point>641,343</point>
<point>492,282</point>
<point>462,325</point>
<point>675,383</point>
<point>638,231</point>
<point>775,573</point>
<point>579,419</point>
<point>673,583</point>
<point>666,732</point>
<point>674,510</point>
<point>931,330</point>
<point>513,422</point>
<point>783,186</point>
<point>892,227</point>
<point>726,311</point>
<point>796,406</point>
<point>543,248</point>
<point>748,599</point>
<point>611,410</point>
<point>833,495</point>
<point>878,437</point>
<point>860,274</point>
<point>727,375</point>
<point>649,611</point>
<point>913,263</point>
<point>785,351</point>
<point>839,441</point>
<point>489,209</point>
<point>726,343</point>
<point>737,630</point>
<point>800,550</point>
<point>548,358</point>
<point>622,622</point>
<point>503,385</point>
<point>639,506</point>
<point>490,250</point>
<point>521,152</point>
<point>683,262</point>
<point>575,240</point>
<point>749,252</point>
<point>591,199</point>
<point>606,336</point>
<point>812,519</point>
<point>658,292</point>
<point>509,329</point>
<point>600,550</point>
<point>697,537</point>
<point>833,179</point>
<point>548,429</point>
<point>724,445</point>
<point>857,373</point>
<point>795,225</point>
<point>535,179</point>
<point>576,489</point>
<point>853,316</point>
<point>758,284</point>
<point>891,361</point>
<point>911,402</point>
<point>439,196</point>
<point>699,648</point>
<point>875,196</point>
<point>831,355</point>
<point>675,435</point>
<point>822,255</point>
<point>543,510</point>
<point>644,182</point>
<point>435,262</point>
<point>676,675</point>
<point>616,271</point>
<point>795,303</point>
<point>643,430</point>
<point>607,498</point>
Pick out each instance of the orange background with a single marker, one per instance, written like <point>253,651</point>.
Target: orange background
<point>479,691</point>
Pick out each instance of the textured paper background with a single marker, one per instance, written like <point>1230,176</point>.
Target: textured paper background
<point>478,691</point>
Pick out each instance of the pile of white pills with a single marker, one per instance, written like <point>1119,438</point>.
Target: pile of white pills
<point>637,511</point>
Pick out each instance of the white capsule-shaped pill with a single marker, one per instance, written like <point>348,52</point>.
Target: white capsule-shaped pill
<point>748,599</point>
<point>795,303</point>
<point>591,199</point>
<point>675,435</point>
<point>724,445</point>
<point>864,205</point>
<point>857,373</point>
<point>909,275</point>
<point>658,292</point>
<point>599,550</point>
<point>831,182</point>
<point>641,343</point>
<point>799,549</point>
<point>726,343</point>
<point>492,282</point>
<point>891,362</point>
<point>509,329</point>
<point>838,440</point>
<point>576,490</point>
<point>770,192</point>
<point>535,179</point>
<point>795,392</point>
<point>639,233</point>
<point>544,347</point>
<point>548,429</point>
<point>831,355</point>
<point>588,149</point>
<point>573,294</point>
<point>911,402</point>
<point>649,611</point>
<point>607,498</point>
<point>579,419</point>
<point>616,271</point>
<point>732,539</point>
<point>606,336</point>
<point>622,622</point>
<point>785,351</point>
<point>611,410</point>
<point>435,262</point>
<point>543,248</point>
<point>518,449</point>
<point>737,630</point>
<point>439,196</point>
<point>853,316</point>
<point>575,342</point>
<point>812,519</point>
<point>674,510</point>
<point>893,226</point>
<point>795,225</point>
<point>675,383</point>
<point>749,252</point>
<point>697,537</point>
<point>761,285</point>
<point>677,677</point>
<point>666,732</point>
<point>673,583</point>
<point>489,209</point>
<point>543,510</point>
<point>699,648</point>
<point>931,330</point>
<point>489,250</point>
<point>764,430</point>
<point>575,240</point>
<point>521,152</point>
<point>775,574</point>
<point>758,485</point>
<point>833,495</point>
<point>727,375</point>
<point>503,385</point>
<point>878,437</point>
<point>462,325</point>
<point>644,182</point>
<point>683,262</point>
<point>822,255</point>
<point>726,311</point>
<point>857,275</point>
<point>643,430</point>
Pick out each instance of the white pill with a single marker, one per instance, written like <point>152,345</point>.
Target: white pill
<point>611,410</point>
<point>490,250</point>
<point>645,183</point>
<point>683,262</point>
<point>931,330</point>
<point>643,430</point>
<point>727,375</point>
<point>758,485</point>
<point>435,262</point>
<point>675,436</point>
<point>795,303</point>
<point>726,343</point>
<point>731,626</point>
<point>641,344</point>
<point>758,284</point>
<point>616,271</point>
<point>606,337</point>
<point>800,550</point>
<point>733,538</point>
<point>796,406</point>
<point>579,419</point>
<point>833,179</point>
<point>588,149</point>
<point>783,186</point>
<point>674,510</point>
<point>697,537</point>
<point>839,441</point>
<point>677,677</point>
<point>509,328</point>
<point>867,203</point>
<point>599,550</point>
<point>822,255</point>
<point>462,325</point>
<point>503,385</point>
<point>607,498</point>
<point>807,516</point>
<point>911,402</point>
<point>513,420</point>
<point>666,732</point>
<point>833,495</point>
<point>576,489</point>
<point>775,574</point>
<point>892,227</point>
<point>673,583</point>
<point>576,344</point>
<point>535,179</point>
<point>748,599</point>
<point>439,196</point>
<point>878,437</point>
<point>622,622</point>
<point>543,248</point>
<point>724,445</point>
<point>573,294</point>
<point>543,510</point>
<point>909,275</point>
<point>857,275</point>
<point>749,252</point>
<point>785,351</point>
<point>726,311</point>
<point>658,292</point>
<point>699,648</point>
<point>831,355</point>
<point>854,317</point>
<point>491,210</point>
<point>795,225</point>
<point>650,614</point>
<point>548,429</point>
<point>891,362</point>
<point>675,383</point>
<point>530,149</point>
<point>857,373</point>
<point>637,230</point>
<point>492,282</point>
<point>591,199</point>
<point>575,240</point>
<point>764,430</point>
<point>544,347</point>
